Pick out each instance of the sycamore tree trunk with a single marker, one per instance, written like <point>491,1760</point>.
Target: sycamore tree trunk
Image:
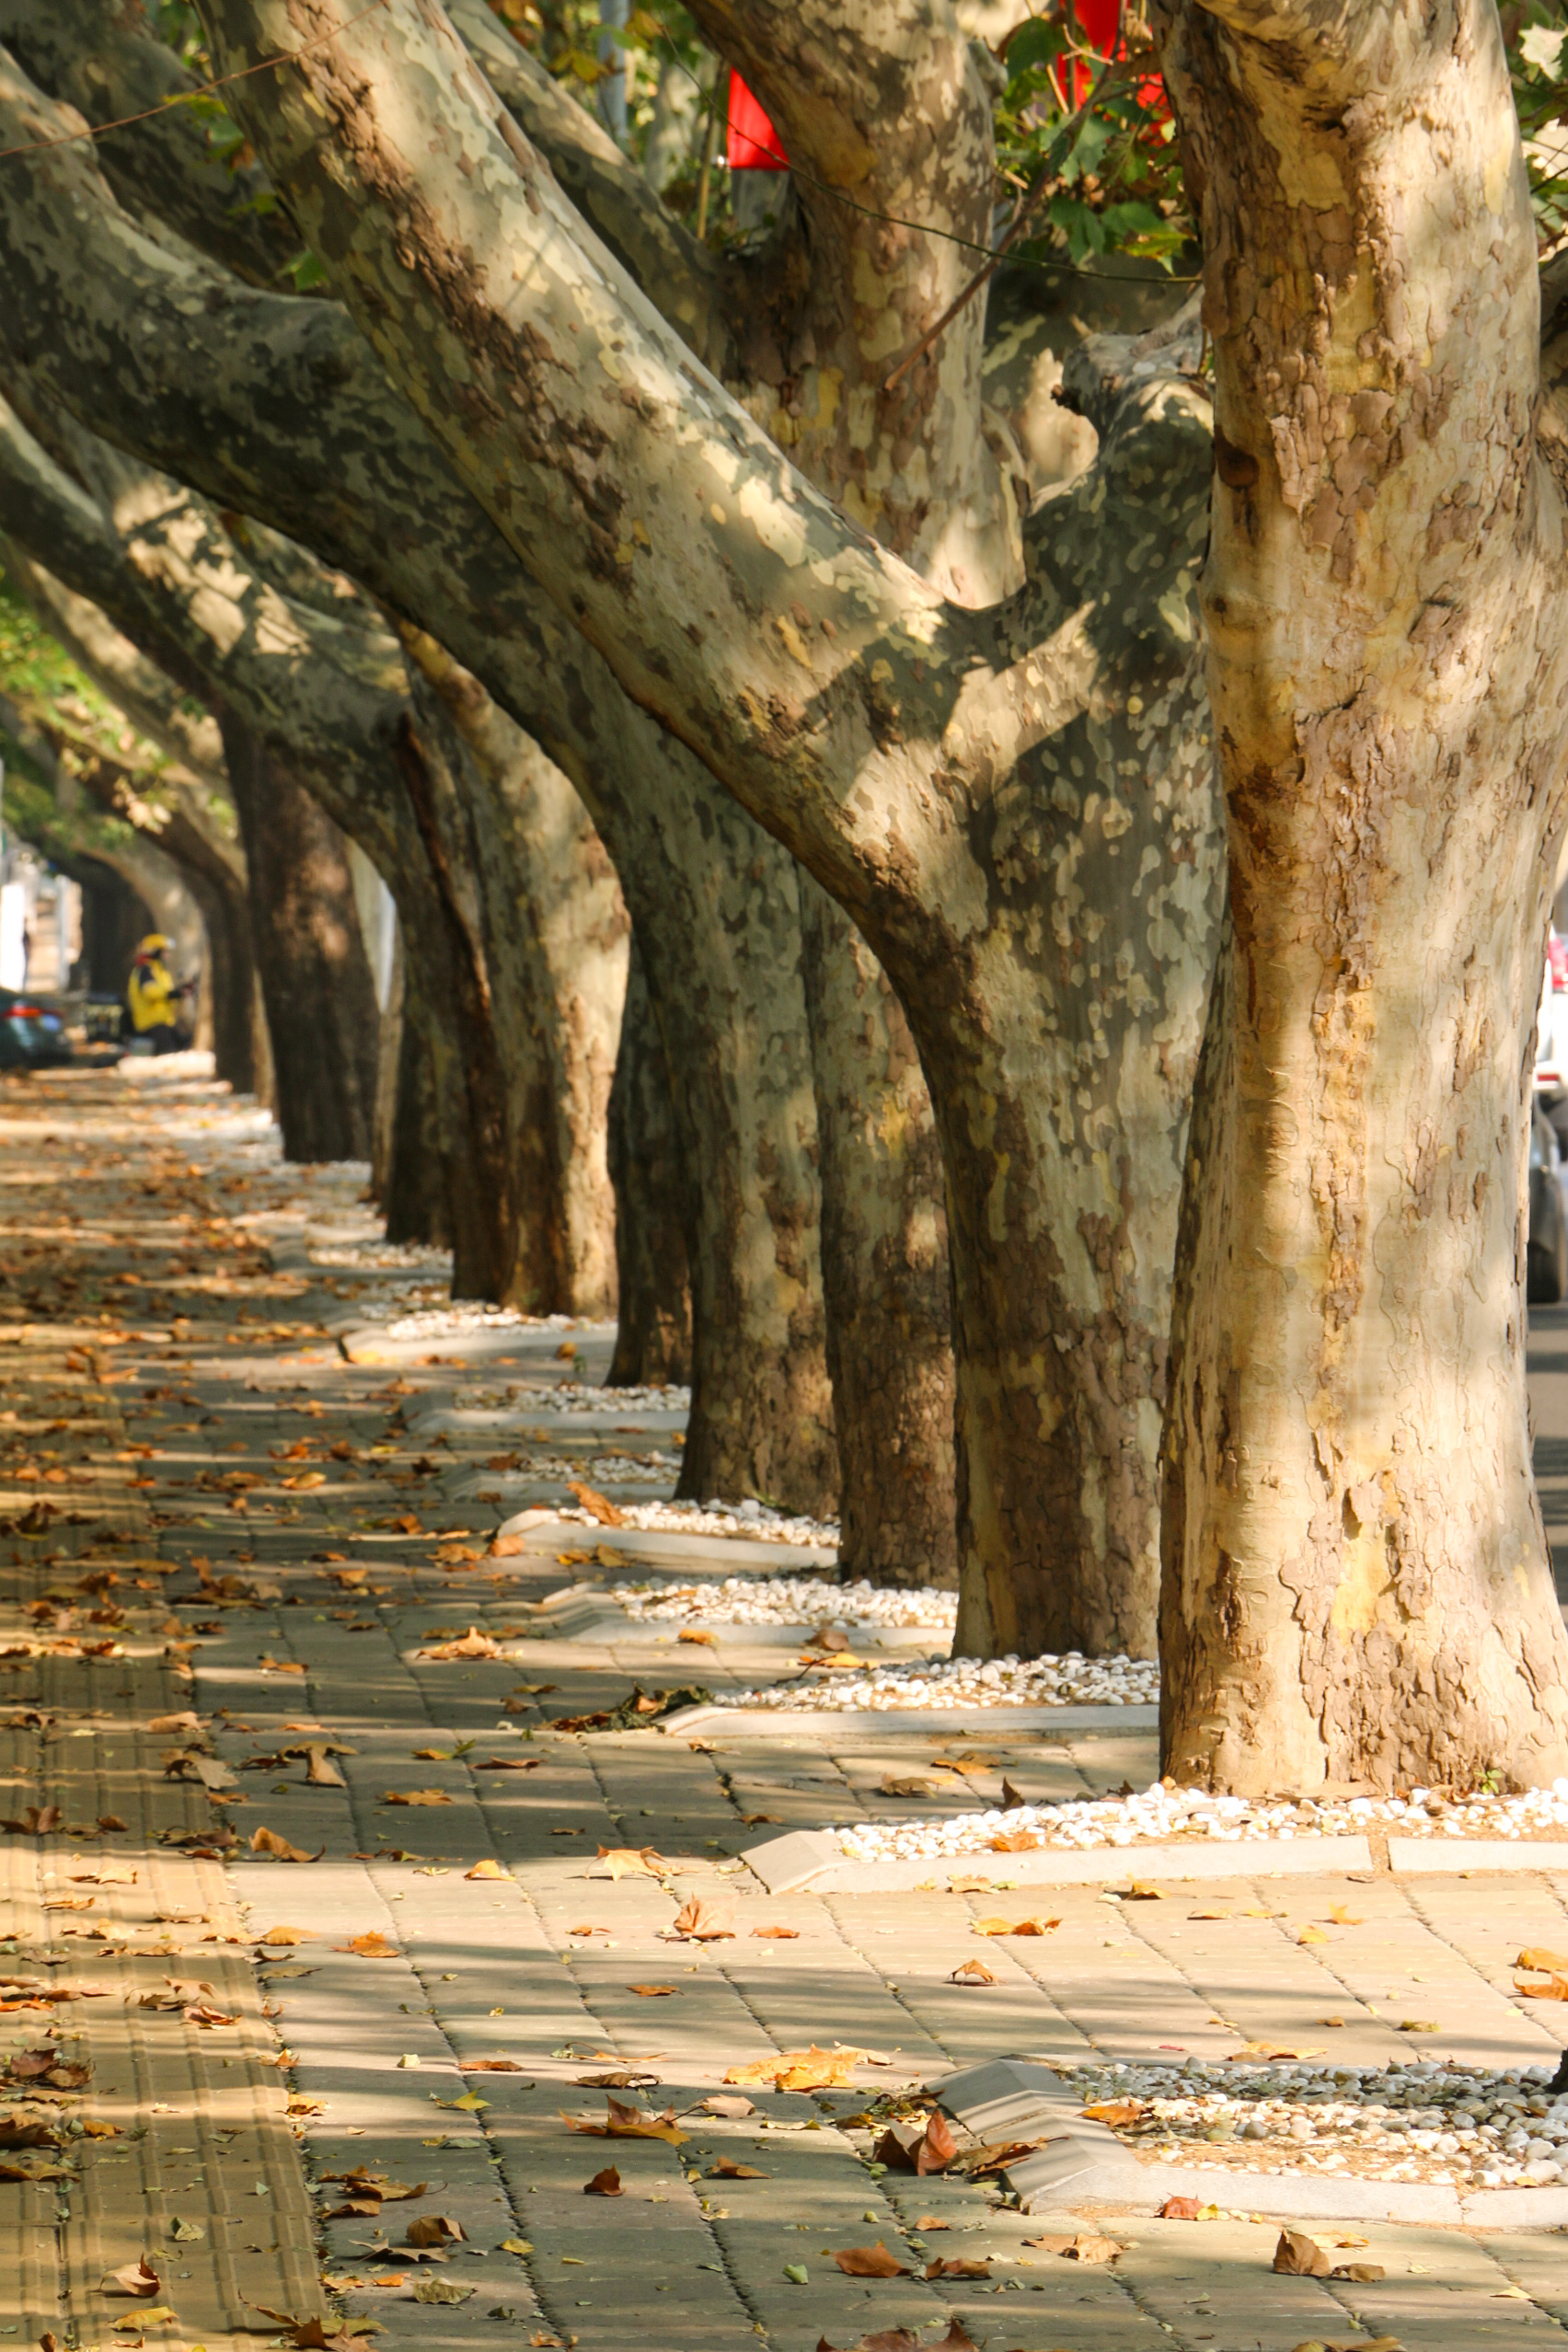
<point>1357,1587</point>
<point>415,1189</point>
<point>1014,806</point>
<point>547,912</point>
<point>885,1263</point>
<point>316,976</point>
<point>653,1205</point>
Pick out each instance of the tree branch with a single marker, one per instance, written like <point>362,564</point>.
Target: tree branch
<point>91,54</point>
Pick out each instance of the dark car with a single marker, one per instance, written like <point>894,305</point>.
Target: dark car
<point>1546,1281</point>
<point>31,1037</point>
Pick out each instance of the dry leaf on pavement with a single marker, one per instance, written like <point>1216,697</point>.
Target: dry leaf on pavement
<point>1343,1916</point>
<point>485,1870</point>
<point>727,2169</point>
<point>1013,1927</point>
<point>870,2262</point>
<point>137,2278</point>
<point>698,1635</point>
<point>1555,1989</point>
<point>1361,2273</point>
<point>510,1764</point>
<point>473,1644</point>
<point>899,2339</point>
<point>598,1507</point>
<point>812,2070</point>
<point>415,1796</point>
<point>1114,2111</point>
<point>441,2290</point>
<point>889,1786</point>
<point>433,2229</point>
<point>917,2151</point>
<point>1178,2209</point>
<point>321,2335</point>
<point>698,1922</point>
<point>267,1841</point>
<point>973,1972</point>
<point>1087,2246</point>
<point>372,1946</point>
<point>623,1861</point>
<point>1536,1955</point>
<point>731,2109</point>
<point>778,1934</point>
<point>651,1992</point>
<point>959,2266</point>
<point>287,1936</point>
<point>1301,2257</point>
<point>1014,1841</point>
<point>605,2183</point>
<point>622,2122</point>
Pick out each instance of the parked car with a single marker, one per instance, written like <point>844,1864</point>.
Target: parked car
<point>1546,1281</point>
<point>31,1037</point>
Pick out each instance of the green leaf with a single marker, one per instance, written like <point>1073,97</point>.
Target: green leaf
<point>306,271</point>
<point>796,2273</point>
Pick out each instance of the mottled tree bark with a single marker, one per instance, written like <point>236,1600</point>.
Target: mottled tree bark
<point>545,904</point>
<point>316,979</point>
<point>1357,1587</point>
<point>1015,806</point>
<point>885,1263</point>
<point>653,1205</point>
<point>415,1189</point>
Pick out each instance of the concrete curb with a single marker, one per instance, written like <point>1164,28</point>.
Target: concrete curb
<point>697,1556</point>
<point>1084,2163</point>
<point>815,1857</point>
<point>362,1342</point>
<point>871,1722</point>
<point>1433,1857</point>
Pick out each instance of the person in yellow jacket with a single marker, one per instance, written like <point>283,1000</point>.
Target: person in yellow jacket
<point>153,998</point>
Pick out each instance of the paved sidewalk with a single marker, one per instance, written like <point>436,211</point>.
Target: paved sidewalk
<point>206,1512</point>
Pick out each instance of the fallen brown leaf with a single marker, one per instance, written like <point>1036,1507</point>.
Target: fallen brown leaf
<point>870,2262</point>
<point>959,2266</point>
<point>415,1796</point>
<point>731,2109</point>
<point>1087,2246</point>
<point>697,1922</point>
<point>1114,2111</point>
<point>137,2278</point>
<point>1011,1798</point>
<point>598,1507</point>
<point>651,1992</point>
<point>812,2069</point>
<point>1013,1927</point>
<point>889,1786</point>
<point>623,1861</point>
<point>605,2183</point>
<point>433,2229</point>
<point>1014,1841</point>
<point>697,1635</point>
<point>973,1972</point>
<point>922,2152</point>
<point>510,1764</point>
<point>1536,1955</point>
<point>1362,2273</point>
<point>267,1841</point>
<point>1301,2257</point>
<point>371,1946</point>
<point>1178,2209</point>
<point>473,1644</point>
<point>1343,1916</point>
<point>287,1936</point>
<point>778,1934</point>
<point>622,2122</point>
<point>1555,1989</point>
<point>321,2335</point>
<point>485,1870</point>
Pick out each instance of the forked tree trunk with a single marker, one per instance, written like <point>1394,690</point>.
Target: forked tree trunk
<point>885,1262</point>
<point>653,1205</point>
<point>316,976</point>
<point>1356,1585</point>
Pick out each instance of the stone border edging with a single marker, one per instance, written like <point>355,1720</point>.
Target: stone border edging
<point>698,1556</point>
<point>1084,2161</point>
<point>814,1858</point>
<point>1437,1857</point>
<point>863,1723</point>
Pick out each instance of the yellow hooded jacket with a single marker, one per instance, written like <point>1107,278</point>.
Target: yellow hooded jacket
<point>151,991</point>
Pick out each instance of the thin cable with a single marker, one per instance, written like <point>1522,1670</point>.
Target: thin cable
<point>993,253</point>
<point>1057,149</point>
<point>181,97</point>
